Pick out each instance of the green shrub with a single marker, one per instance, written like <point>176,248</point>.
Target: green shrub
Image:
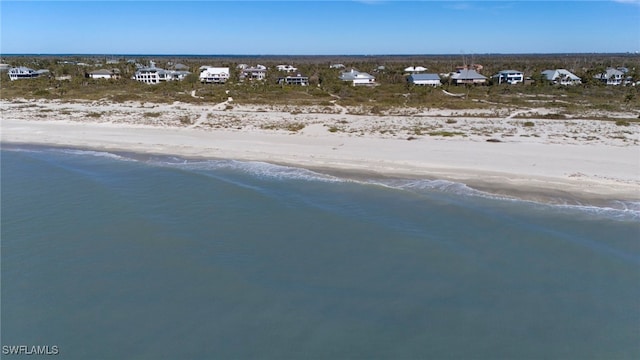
<point>446,133</point>
<point>41,92</point>
<point>295,127</point>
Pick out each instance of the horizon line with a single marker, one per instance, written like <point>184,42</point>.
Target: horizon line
<point>321,55</point>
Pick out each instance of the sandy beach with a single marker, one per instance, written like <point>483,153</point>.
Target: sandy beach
<point>588,159</point>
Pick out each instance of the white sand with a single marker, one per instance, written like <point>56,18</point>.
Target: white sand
<point>589,158</point>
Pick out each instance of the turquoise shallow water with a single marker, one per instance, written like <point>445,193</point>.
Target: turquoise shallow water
<point>124,256</point>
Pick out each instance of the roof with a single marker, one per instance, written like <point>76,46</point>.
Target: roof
<point>354,74</point>
<point>415,68</point>
<point>149,69</point>
<point>424,77</point>
<point>610,73</point>
<point>294,76</point>
<point>467,74</point>
<point>509,72</point>
<point>554,74</point>
<point>102,72</point>
<point>254,70</point>
<point>21,69</point>
<point>214,70</point>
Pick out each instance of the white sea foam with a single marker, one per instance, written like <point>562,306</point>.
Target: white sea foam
<point>104,154</point>
<point>616,209</point>
<point>258,169</point>
<point>619,210</point>
<point>442,186</point>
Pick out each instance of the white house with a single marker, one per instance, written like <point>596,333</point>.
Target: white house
<point>358,78</point>
<point>562,77</point>
<point>154,75</point>
<point>214,75</point>
<point>25,73</point>
<point>468,76</point>
<point>286,68</point>
<point>509,77</point>
<point>611,77</point>
<point>424,79</point>
<point>294,80</point>
<point>254,73</point>
<point>104,74</point>
<point>336,66</point>
<point>415,69</point>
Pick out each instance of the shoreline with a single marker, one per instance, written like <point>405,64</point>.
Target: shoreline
<point>522,168</point>
<point>509,188</point>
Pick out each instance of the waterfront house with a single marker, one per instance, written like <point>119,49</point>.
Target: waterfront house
<point>104,74</point>
<point>424,79</point>
<point>562,77</point>
<point>286,68</point>
<point>358,78</point>
<point>254,73</point>
<point>611,77</point>
<point>154,75</point>
<point>468,76</point>
<point>214,75</point>
<point>509,77</point>
<point>415,69</point>
<point>22,72</point>
<point>294,80</point>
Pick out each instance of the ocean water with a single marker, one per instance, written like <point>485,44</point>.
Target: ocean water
<point>111,256</point>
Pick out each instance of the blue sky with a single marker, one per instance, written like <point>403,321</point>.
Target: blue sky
<point>367,27</point>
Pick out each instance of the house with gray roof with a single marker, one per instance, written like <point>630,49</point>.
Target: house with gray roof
<point>562,77</point>
<point>253,73</point>
<point>358,78</point>
<point>611,77</point>
<point>154,75</point>
<point>424,79</point>
<point>468,76</point>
